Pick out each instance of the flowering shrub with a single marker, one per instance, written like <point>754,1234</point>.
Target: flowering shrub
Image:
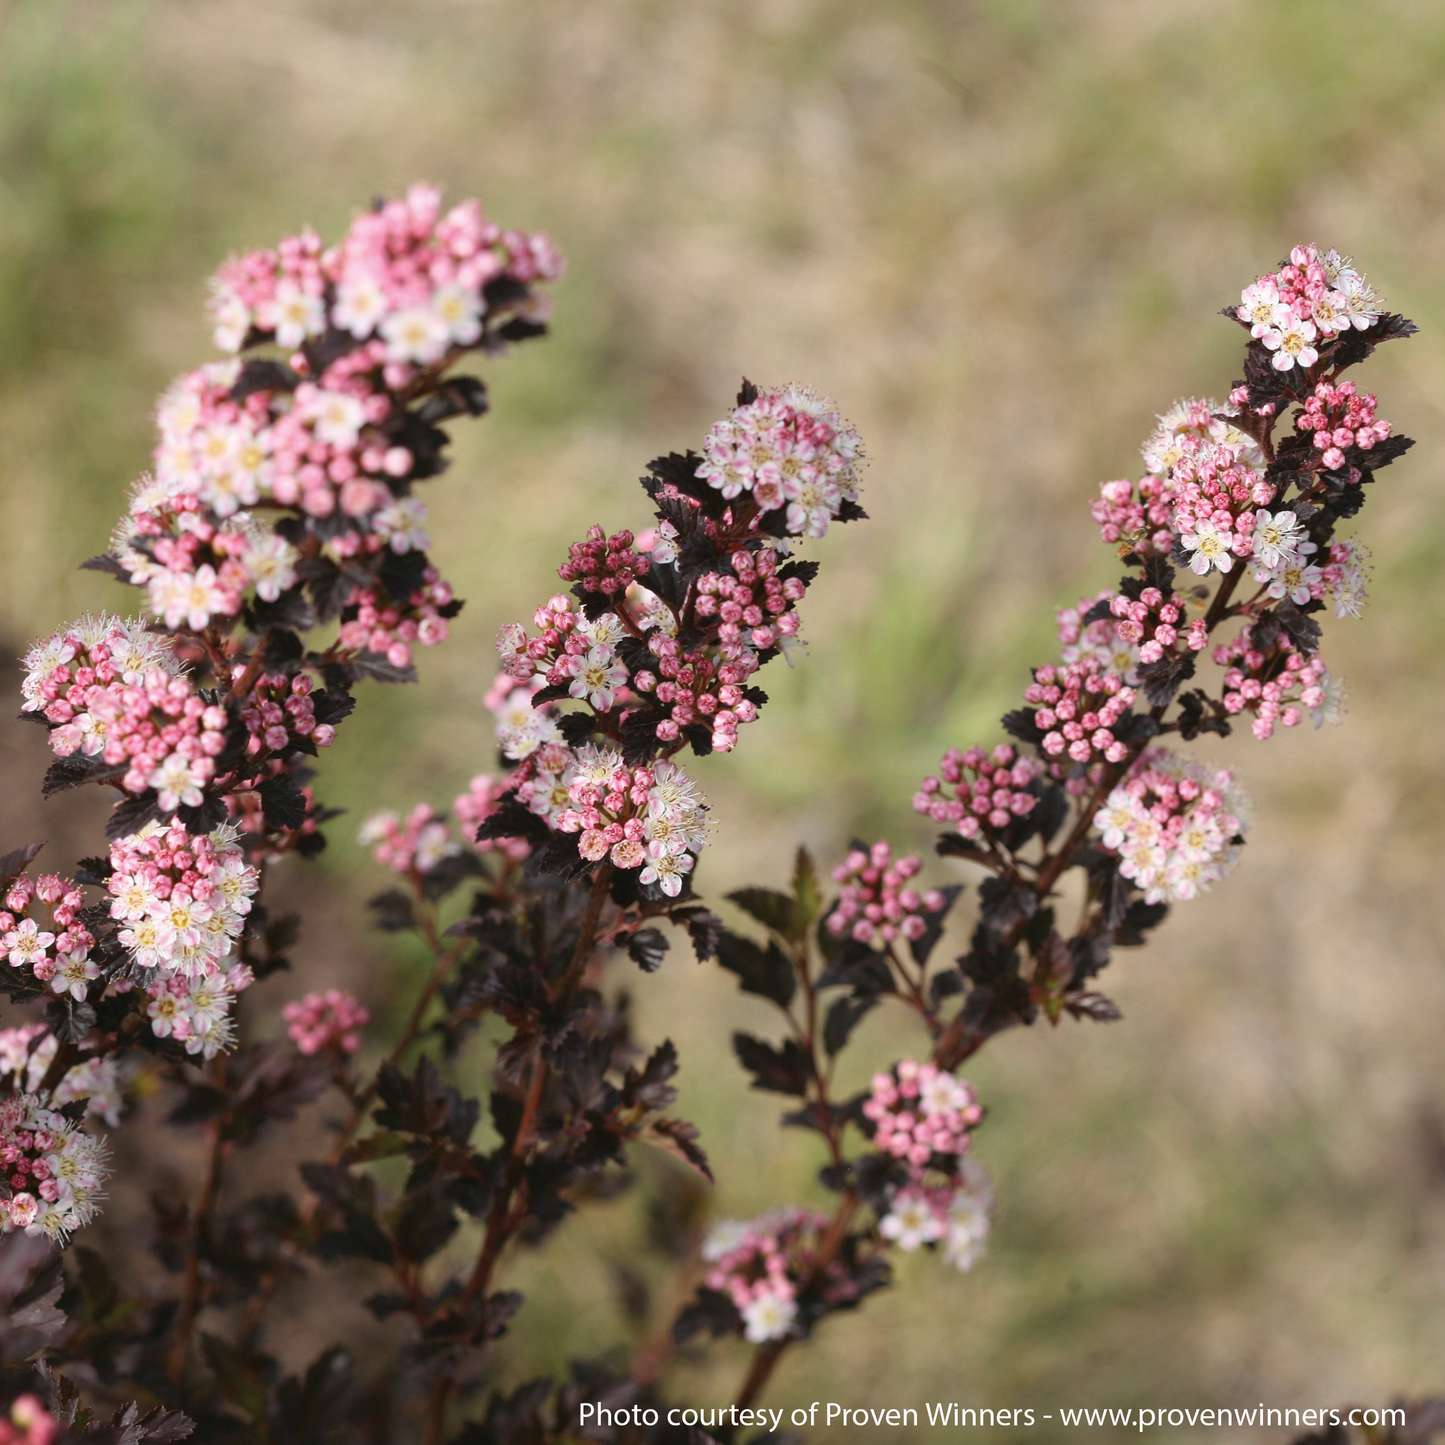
<point>279,551</point>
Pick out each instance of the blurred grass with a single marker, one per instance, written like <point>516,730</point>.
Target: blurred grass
<point>998,233</point>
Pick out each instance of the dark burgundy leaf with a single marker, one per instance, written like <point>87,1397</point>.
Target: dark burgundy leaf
<point>647,948</point>
<point>283,804</point>
<point>779,1071</point>
<point>767,973</point>
<point>843,1017</point>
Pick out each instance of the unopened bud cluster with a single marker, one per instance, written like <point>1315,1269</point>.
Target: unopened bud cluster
<point>877,902</point>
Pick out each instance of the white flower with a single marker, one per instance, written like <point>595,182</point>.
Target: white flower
<point>218,1037</point>
<point>664,836</point>
<point>377,827</point>
<point>664,549</point>
<point>166,1016</point>
<point>360,303</point>
<point>672,793</point>
<point>271,561</point>
<point>1331,706</point>
<point>1115,818</point>
<point>595,766</point>
<point>1358,300</point>
<point>812,504</point>
<point>232,318</point>
<point>25,945</point>
<point>72,972</point>
<point>336,416</point>
<point>942,1092</point>
<point>1277,537</point>
<point>415,334</point>
<point>296,314</point>
<point>964,1242</point>
<point>521,728</point>
<point>135,651</point>
<point>723,1238</point>
<point>1295,579</point>
<point>403,525</point>
<point>1257,305</point>
<point>433,843</point>
<point>40,662</point>
<point>207,1004</point>
<point>1211,548</point>
<point>911,1221</point>
<point>605,631</point>
<point>188,598</point>
<point>459,309</point>
<point>768,1317</point>
<point>182,921</point>
<point>596,676</point>
<point>1335,265</point>
<point>1331,313</point>
<point>549,795</point>
<point>1349,592</point>
<point>178,781</point>
<point>143,942</point>
<point>235,884</point>
<point>668,872</point>
<point>1291,340</point>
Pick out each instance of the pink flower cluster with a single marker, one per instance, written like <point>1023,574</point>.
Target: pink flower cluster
<point>415,844</point>
<point>604,564</point>
<point>483,797</point>
<point>197,1011</point>
<point>198,570</point>
<point>1277,694</point>
<point>696,688</point>
<point>385,628</point>
<point>331,434</point>
<point>424,838</point>
<point>753,605</point>
<point>1096,641</point>
<point>278,710</point>
<point>1173,822</point>
<point>326,1021</point>
<point>41,931</point>
<point>954,1215</point>
<point>704,684</point>
<point>1137,515</point>
<point>1311,299</point>
<point>922,1114</point>
<point>26,1054</point>
<point>1078,706</point>
<point>1200,435</point>
<point>1215,497</point>
<point>182,899</point>
<point>521,727</point>
<point>53,1171</point>
<point>652,818</point>
<point>760,1263</point>
<point>30,1423</point>
<point>111,689</point>
<point>1338,416</point>
<point>876,903</point>
<point>787,448</point>
<point>571,651</point>
<point>989,790</point>
<point>1347,575</point>
<point>407,274</point>
<point>1151,623</point>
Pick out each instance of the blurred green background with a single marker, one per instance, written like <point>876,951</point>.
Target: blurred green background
<point>997,231</point>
